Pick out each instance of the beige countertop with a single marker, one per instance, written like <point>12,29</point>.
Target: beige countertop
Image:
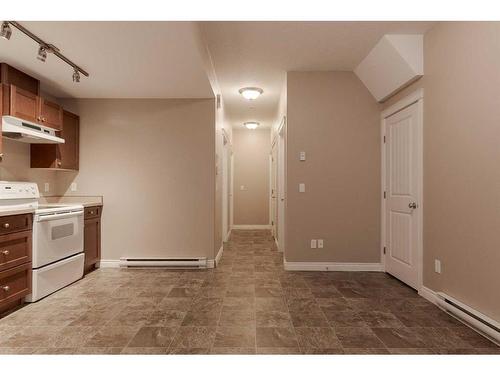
<point>86,201</point>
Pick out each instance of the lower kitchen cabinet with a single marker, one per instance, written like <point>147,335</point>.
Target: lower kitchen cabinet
<point>15,260</point>
<point>92,237</point>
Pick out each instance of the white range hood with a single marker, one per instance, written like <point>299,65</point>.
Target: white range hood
<point>28,132</point>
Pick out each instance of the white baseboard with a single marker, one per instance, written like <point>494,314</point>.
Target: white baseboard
<point>251,226</point>
<point>332,266</point>
<point>428,294</point>
<point>228,235</point>
<point>219,255</point>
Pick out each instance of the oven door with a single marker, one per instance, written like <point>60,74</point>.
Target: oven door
<point>57,236</point>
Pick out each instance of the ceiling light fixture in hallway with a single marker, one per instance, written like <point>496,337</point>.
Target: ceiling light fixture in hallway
<point>251,93</point>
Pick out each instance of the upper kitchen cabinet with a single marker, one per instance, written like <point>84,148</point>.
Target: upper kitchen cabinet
<point>21,99</point>
<point>12,76</point>
<point>23,104</point>
<point>62,156</point>
<point>50,114</point>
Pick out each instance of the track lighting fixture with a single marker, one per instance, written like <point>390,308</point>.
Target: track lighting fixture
<point>43,47</point>
<point>76,75</point>
<point>42,53</point>
<point>5,31</point>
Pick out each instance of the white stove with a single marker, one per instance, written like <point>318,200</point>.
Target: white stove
<point>58,257</point>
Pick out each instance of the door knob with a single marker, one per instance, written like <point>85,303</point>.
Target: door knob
<point>412,205</point>
<point>6,288</point>
<point>6,225</point>
<point>6,252</point>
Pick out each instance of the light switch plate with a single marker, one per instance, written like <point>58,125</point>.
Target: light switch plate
<point>313,244</point>
<point>302,156</point>
<point>437,266</point>
<point>46,187</point>
<point>302,188</point>
<point>320,244</point>
<point>73,186</point>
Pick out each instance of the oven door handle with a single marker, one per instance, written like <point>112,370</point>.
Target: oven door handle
<point>59,216</point>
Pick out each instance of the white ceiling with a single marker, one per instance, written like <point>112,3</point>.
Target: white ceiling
<point>169,59</point>
<point>260,54</point>
<point>124,59</point>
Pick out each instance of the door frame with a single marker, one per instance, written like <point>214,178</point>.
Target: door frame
<point>280,139</point>
<point>226,187</point>
<point>417,97</point>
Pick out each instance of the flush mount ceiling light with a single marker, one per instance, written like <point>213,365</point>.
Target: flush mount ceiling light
<point>251,125</point>
<point>43,47</point>
<point>251,93</point>
<point>5,31</point>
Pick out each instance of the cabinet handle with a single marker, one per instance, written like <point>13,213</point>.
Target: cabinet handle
<point>6,252</point>
<point>91,212</point>
<point>6,288</point>
<point>59,163</point>
<point>43,119</point>
<point>39,118</point>
<point>6,225</point>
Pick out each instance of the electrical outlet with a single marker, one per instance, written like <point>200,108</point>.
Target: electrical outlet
<point>437,266</point>
<point>73,186</point>
<point>46,187</point>
<point>314,244</point>
<point>320,244</point>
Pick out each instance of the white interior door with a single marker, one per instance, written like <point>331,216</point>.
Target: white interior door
<point>274,200</point>
<point>281,187</point>
<point>225,189</point>
<point>403,150</point>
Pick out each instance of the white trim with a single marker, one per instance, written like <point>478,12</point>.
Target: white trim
<point>403,103</point>
<point>219,255</point>
<point>109,263</point>
<point>252,226</point>
<point>332,266</point>
<point>428,294</point>
<point>416,97</point>
<point>210,263</point>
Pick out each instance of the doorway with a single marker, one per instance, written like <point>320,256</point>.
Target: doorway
<point>226,187</point>
<point>402,177</point>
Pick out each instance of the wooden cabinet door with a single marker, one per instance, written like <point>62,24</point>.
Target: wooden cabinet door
<point>1,113</point>
<point>51,114</point>
<point>67,155</point>
<point>92,241</point>
<point>23,104</point>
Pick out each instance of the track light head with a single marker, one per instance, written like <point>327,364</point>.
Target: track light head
<point>5,31</point>
<point>76,75</point>
<point>42,53</point>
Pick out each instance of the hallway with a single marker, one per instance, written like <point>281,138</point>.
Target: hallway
<point>248,304</point>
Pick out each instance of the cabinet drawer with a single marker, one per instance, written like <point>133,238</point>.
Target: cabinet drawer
<point>15,223</point>
<point>15,249</point>
<point>92,212</point>
<point>15,283</point>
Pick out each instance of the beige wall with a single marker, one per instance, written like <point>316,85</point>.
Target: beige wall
<point>461,162</point>
<point>154,163</point>
<point>336,121</point>
<point>16,167</point>
<point>251,150</point>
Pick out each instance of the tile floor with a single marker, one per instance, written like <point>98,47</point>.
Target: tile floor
<point>247,305</point>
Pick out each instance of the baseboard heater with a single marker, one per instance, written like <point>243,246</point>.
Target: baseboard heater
<point>473,318</point>
<point>163,262</point>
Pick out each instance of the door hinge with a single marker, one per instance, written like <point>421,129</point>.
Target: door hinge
<point>384,250</point>
<point>384,195</point>
<point>272,222</point>
<point>384,138</point>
